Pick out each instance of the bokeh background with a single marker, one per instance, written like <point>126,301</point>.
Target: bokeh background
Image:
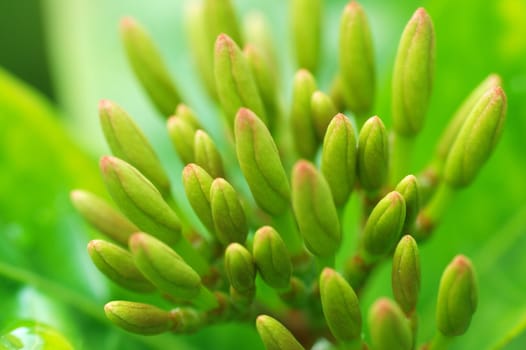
<point>58,58</point>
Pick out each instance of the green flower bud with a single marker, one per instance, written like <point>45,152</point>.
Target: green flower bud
<point>221,18</point>
<point>138,318</point>
<point>340,307</point>
<point>275,336</point>
<point>127,142</point>
<point>206,154</point>
<point>406,274</point>
<point>373,154</point>
<point>409,189</point>
<point>229,218</point>
<point>384,225</point>
<point>185,113</point>
<point>302,125</point>
<point>240,268</point>
<point>102,216</point>
<point>272,258</point>
<point>257,32</point>
<point>323,110</point>
<point>149,66</point>
<point>197,183</point>
<point>315,210</point>
<point>139,200</point>
<point>389,328</point>
<point>117,264</point>
<point>477,139</point>
<point>457,297</point>
<point>235,83</point>
<point>306,16</point>
<point>182,133</point>
<point>338,159</point>
<point>413,74</point>
<point>259,160</point>
<point>356,60</point>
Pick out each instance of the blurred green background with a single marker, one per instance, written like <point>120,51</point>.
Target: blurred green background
<point>58,58</point>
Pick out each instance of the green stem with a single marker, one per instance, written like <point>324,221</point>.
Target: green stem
<point>433,212</point>
<point>400,157</point>
<point>439,342</point>
<point>191,256</point>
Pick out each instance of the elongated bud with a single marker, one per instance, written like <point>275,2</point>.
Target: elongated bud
<point>477,139</point>
<point>257,30</point>
<point>275,336</point>
<point>197,183</point>
<point>306,16</point>
<point>138,317</point>
<point>206,154</point>
<point>127,142</point>
<point>457,297</point>
<point>406,274</point>
<point>240,268</point>
<point>102,216</point>
<point>338,159</point>
<point>389,328</point>
<point>185,113</point>
<point>117,264</point>
<point>259,160</point>
<point>409,189</point>
<point>272,258</point>
<point>340,307</point>
<point>221,18</point>
<point>384,225</point>
<point>323,110</point>
<point>315,210</point>
<point>372,154</point>
<point>229,218</point>
<point>139,200</point>
<point>182,134</point>
<point>413,74</point>
<point>235,83</point>
<point>356,60</point>
<point>302,124</point>
<point>149,66</point>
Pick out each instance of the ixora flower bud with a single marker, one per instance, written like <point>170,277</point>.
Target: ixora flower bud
<point>389,328</point>
<point>206,154</point>
<point>373,154</point>
<point>127,142</point>
<point>275,336</point>
<point>149,67</point>
<point>259,160</point>
<point>139,318</point>
<point>197,183</point>
<point>340,307</point>
<point>302,124</point>
<point>457,297</point>
<point>240,268</point>
<point>356,60</point>
<point>477,139</point>
<point>409,189</point>
<point>315,210</point>
<point>338,159</point>
<point>272,258</point>
<point>306,19</point>
<point>182,133</point>
<point>228,214</point>
<point>323,110</point>
<point>117,264</point>
<point>235,83</point>
<point>139,200</point>
<point>102,216</point>
<point>406,274</point>
<point>413,74</point>
<point>384,225</point>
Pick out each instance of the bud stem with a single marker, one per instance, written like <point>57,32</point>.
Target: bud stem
<point>191,256</point>
<point>433,212</point>
<point>400,157</point>
<point>439,342</point>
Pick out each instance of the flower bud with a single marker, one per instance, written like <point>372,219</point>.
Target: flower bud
<point>138,318</point>
<point>229,218</point>
<point>409,189</point>
<point>197,183</point>
<point>384,225</point>
<point>275,336</point>
<point>315,210</point>
<point>457,297</point>
<point>302,125</point>
<point>477,138</point>
<point>182,133</point>
<point>127,142</point>
<point>221,18</point>
<point>356,60</point>
<point>306,16</point>
<point>149,67</point>
<point>272,258</point>
<point>206,154</point>
<point>340,307</point>
<point>413,74</point>
<point>323,110</point>
<point>259,160</point>
<point>373,154</point>
<point>389,328</point>
<point>139,200</point>
<point>338,159</point>
<point>102,216</point>
<point>185,113</point>
<point>240,268</point>
<point>406,274</point>
<point>257,30</point>
<point>117,264</point>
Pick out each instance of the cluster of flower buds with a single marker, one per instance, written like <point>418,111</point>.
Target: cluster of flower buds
<point>266,226</point>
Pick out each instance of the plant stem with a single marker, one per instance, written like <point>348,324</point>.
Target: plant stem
<point>439,342</point>
<point>433,212</point>
<point>400,157</point>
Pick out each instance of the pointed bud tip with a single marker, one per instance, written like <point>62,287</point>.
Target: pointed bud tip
<point>106,162</point>
<point>105,105</point>
<point>127,22</point>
